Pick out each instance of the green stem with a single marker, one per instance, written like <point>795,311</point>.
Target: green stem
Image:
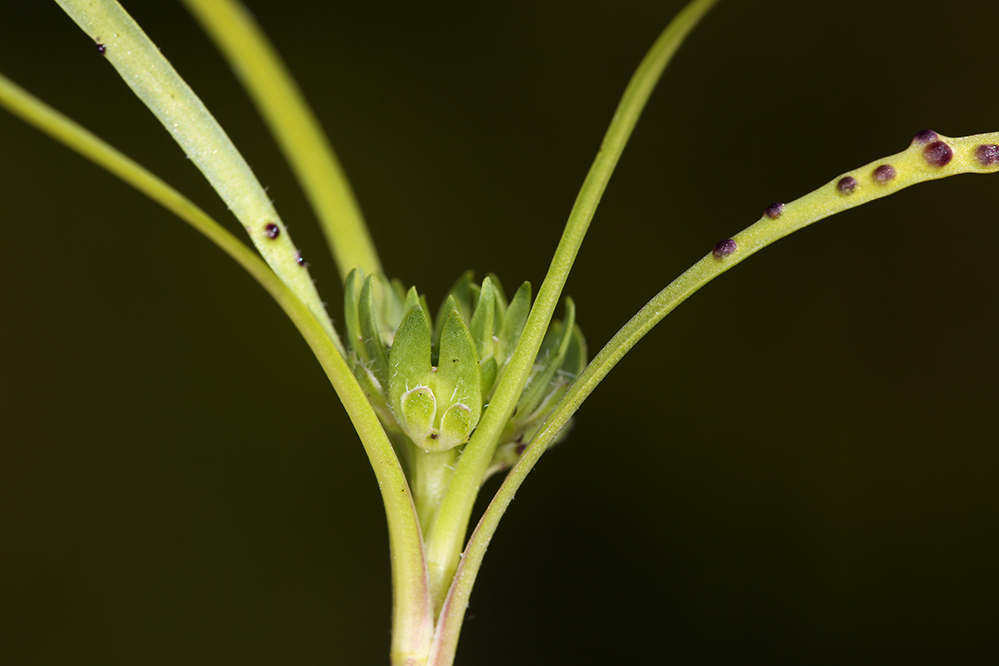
<point>447,532</point>
<point>157,84</point>
<point>293,124</point>
<point>413,616</point>
<point>973,154</point>
<point>430,473</point>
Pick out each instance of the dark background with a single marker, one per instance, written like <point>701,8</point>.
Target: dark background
<point>799,465</point>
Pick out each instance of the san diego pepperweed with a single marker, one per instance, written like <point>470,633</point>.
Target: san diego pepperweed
<point>861,149</point>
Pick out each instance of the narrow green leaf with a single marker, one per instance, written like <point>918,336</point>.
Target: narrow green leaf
<point>412,300</point>
<point>182,113</point>
<point>481,325</point>
<point>925,159</point>
<point>488,371</point>
<point>449,306</point>
<point>500,298</point>
<point>464,292</point>
<point>426,313</point>
<point>482,328</point>
<point>298,133</point>
<point>391,294</point>
<point>351,319</point>
<point>575,355</point>
<point>448,529</point>
<point>411,596</point>
<point>513,324</point>
<point>371,331</point>
<point>550,357</point>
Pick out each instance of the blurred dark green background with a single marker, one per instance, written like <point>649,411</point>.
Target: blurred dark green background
<point>798,466</point>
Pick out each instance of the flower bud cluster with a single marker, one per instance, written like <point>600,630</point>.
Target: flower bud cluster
<point>430,379</point>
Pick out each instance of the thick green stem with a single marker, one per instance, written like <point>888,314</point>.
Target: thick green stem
<point>430,473</point>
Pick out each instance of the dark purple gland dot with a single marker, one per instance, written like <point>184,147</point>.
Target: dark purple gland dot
<point>724,248</point>
<point>846,185</point>
<point>774,210</point>
<point>272,230</point>
<point>101,48</point>
<point>299,259</point>
<point>883,174</point>
<point>925,137</point>
<point>938,153</point>
<point>987,154</point>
